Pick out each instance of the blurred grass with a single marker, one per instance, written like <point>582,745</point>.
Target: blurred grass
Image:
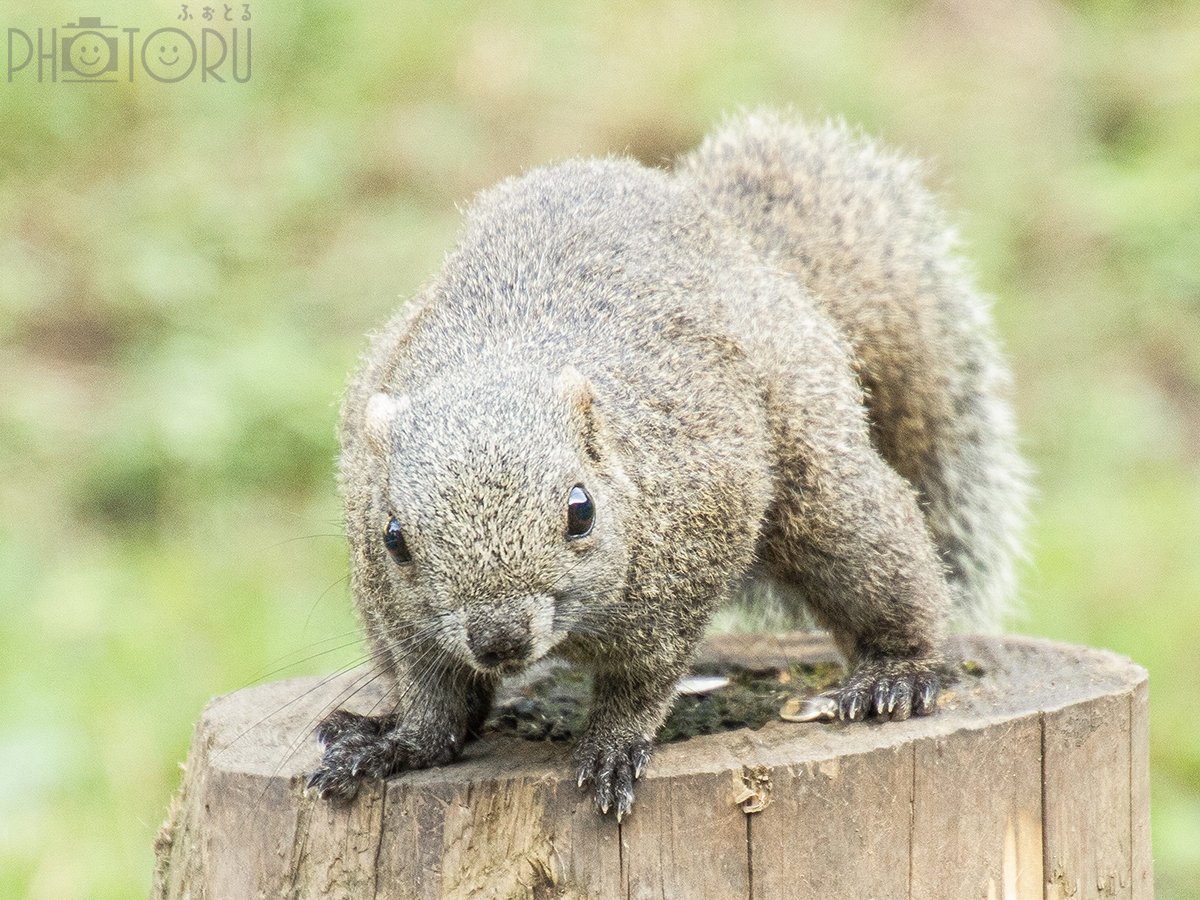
<point>186,273</point>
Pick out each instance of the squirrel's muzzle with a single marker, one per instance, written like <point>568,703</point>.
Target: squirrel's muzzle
<point>495,647</point>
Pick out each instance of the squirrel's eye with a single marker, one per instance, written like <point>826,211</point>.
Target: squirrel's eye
<point>393,539</point>
<point>581,512</point>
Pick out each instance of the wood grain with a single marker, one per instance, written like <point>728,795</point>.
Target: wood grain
<point>977,815</point>
<point>1086,789</point>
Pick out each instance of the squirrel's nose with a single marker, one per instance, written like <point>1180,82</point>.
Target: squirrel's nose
<point>491,649</point>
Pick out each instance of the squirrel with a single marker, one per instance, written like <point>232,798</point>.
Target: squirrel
<point>629,393</point>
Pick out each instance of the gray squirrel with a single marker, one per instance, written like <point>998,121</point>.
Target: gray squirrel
<point>631,392</point>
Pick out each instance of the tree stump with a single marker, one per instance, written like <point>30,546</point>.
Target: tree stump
<point>1031,780</point>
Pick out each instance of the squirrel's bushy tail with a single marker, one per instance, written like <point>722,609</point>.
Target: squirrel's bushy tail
<point>853,223</point>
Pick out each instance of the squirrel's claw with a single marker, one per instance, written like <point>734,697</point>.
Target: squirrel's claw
<point>925,699</point>
<point>333,782</point>
<point>612,772</point>
<point>639,755</point>
<point>352,757</point>
<point>890,690</point>
<point>853,705</point>
<point>367,748</point>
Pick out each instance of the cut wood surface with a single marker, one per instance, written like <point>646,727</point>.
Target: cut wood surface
<point>1029,781</point>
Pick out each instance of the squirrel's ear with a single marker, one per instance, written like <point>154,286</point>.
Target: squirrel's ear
<point>382,410</point>
<point>575,388</point>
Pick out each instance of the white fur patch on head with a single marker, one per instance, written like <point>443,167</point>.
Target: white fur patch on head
<point>382,410</point>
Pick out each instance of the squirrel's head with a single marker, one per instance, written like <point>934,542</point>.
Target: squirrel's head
<point>498,516</point>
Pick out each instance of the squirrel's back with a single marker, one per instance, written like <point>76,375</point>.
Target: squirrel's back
<point>852,222</point>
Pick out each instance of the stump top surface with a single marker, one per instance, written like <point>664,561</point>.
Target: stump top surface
<point>266,731</point>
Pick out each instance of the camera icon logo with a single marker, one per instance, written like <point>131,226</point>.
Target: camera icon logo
<point>89,53</point>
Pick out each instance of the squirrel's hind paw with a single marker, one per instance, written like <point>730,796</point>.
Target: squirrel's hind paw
<point>891,689</point>
<point>612,766</point>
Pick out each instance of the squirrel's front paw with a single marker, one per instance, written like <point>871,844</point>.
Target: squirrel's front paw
<point>359,748</point>
<point>889,689</point>
<point>343,721</point>
<point>612,764</point>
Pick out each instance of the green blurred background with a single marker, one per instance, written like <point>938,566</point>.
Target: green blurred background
<point>187,272</point>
